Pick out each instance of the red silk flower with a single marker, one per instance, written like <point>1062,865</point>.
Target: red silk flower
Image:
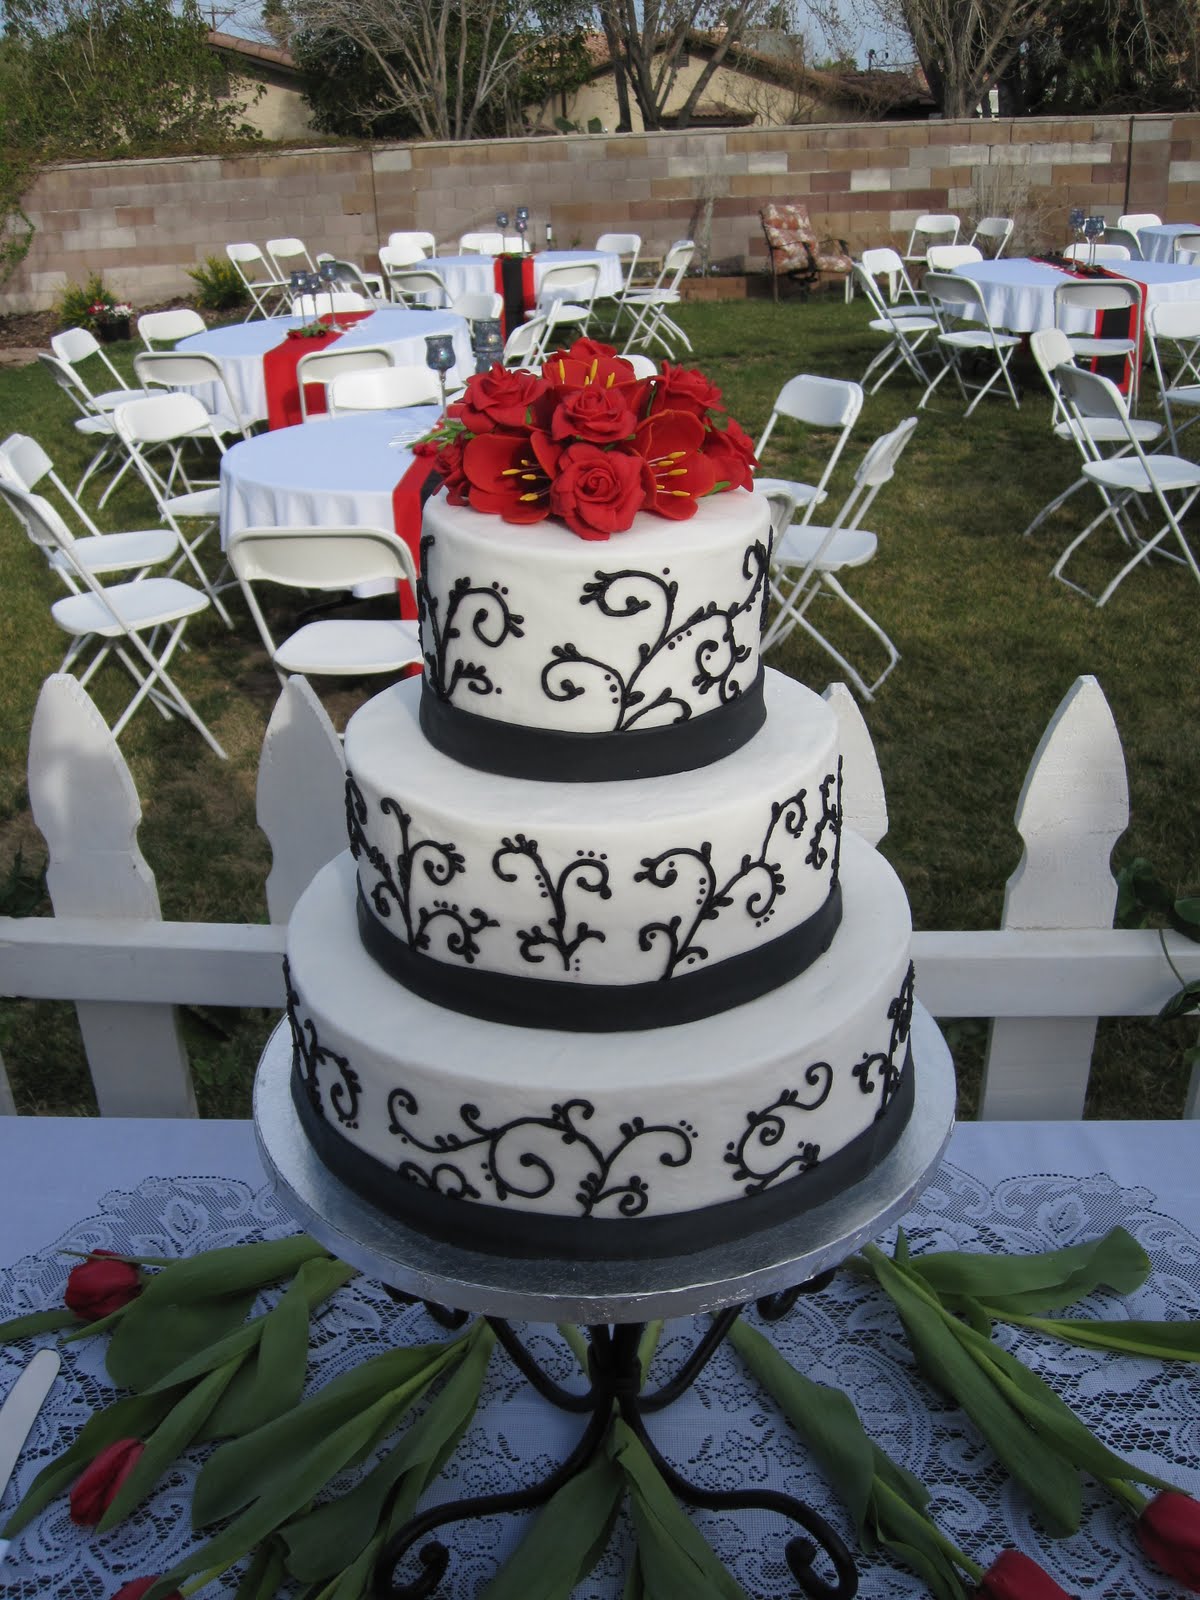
<point>599,492</point>
<point>499,398</point>
<point>96,1487</point>
<point>671,442</point>
<point>685,389</point>
<point>586,364</point>
<point>731,452</point>
<point>1013,1576</point>
<point>1168,1530</point>
<point>137,1587</point>
<point>509,474</point>
<point>101,1285</point>
<point>594,414</point>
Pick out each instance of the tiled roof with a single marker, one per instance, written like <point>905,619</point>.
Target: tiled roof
<point>252,50</point>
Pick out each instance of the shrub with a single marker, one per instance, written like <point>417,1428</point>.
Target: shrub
<point>75,305</point>
<point>218,287</point>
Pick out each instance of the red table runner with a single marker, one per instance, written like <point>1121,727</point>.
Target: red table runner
<point>408,497</point>
<point>1115,324</point>
<point>513,277</point>
<point>279,371</point>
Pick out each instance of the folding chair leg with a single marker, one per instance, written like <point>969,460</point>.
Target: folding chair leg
<point>158,675</point>
<point>188,555</point>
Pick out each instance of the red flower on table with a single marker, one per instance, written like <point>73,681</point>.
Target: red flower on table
<point>500,398</point>
<point>599,492</point>
<point>1013,1576</point>
<point>594,414</point>
<point>671,442</point>
<point>101,1285</point>
<point>96,1487</point>
<point>510,474</point>
<point>685,389</point>
<point>137,1587</point>
<point>1168,1530</point>
<point>588,364</point>
<point>731,452</point>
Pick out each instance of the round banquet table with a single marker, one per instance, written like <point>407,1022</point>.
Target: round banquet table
<point>1019,293</point>
<point>1158,243</point>
<point>240,348</point>
<point>336,473</point>
<point>472,274</point>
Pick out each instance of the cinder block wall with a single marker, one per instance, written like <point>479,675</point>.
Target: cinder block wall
<point>143,223</point>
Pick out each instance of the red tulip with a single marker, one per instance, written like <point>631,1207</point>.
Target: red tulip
<point>1013,1576</point>
<point>1168,1530</point>
<point>101,1285</point>
<point>137,1587</point>
<point>96,1487</point>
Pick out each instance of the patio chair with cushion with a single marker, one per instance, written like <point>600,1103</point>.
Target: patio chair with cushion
<point>795,250</point>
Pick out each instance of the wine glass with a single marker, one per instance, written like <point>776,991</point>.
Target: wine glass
<point>439,358</point>
<point>330,276</point>
<point>523,226</point>
<point>297,282</point>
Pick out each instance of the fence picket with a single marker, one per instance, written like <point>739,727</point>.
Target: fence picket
<point>301,795</point>
<point>862,782</point>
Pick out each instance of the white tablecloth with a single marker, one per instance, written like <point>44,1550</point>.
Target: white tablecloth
<point>336,473</point>
<point>174,1187</point>
<point>1019,293</point>
<point>472,274</point>
<point>241,347</point>
<point>1158,243</point>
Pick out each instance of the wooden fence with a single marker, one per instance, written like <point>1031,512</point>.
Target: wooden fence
<point>1045,976</point>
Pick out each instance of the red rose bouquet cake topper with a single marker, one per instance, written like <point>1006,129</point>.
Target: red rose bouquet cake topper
<point>589,441</point>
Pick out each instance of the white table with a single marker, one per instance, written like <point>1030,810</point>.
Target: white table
<point>241,347</point>
<point>1019,293</point>
<point>335,472</point>
<point>1158,243</point>
<point>473,274</point>
<point>172,1187</point>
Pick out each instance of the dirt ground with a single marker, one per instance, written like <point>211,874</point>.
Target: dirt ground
<point>23,334</point>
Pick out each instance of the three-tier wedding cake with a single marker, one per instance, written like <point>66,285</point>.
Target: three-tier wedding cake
<point>601,974</point>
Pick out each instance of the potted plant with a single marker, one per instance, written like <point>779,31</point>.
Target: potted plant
<point>109,319</point>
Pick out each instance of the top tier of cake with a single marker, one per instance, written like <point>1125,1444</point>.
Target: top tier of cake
<point>552,657</point>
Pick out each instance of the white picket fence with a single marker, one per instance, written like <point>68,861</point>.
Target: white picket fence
<point>1054,966</point>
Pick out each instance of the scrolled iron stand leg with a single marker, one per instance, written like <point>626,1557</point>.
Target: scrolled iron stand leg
<point>615,1380</point>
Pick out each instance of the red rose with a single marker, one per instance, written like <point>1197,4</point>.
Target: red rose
<point>509,474</point>
<point>1168,1530</point>
<point>600,416</point>
<point>685,389</point>
<point>500,398</point>
<point>101,1285</point>
<point>1013,1576</point>
<point>599,492</point>
<point>671,442</point>
<point>731,452</point>
<point>448,464</point>
<point>137,1587</point>
<point>96,1487</point>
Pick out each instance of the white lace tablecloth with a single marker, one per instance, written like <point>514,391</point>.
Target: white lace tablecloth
<point>81,1184</point>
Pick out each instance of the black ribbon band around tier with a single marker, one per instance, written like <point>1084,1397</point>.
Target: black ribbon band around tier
<point>506,1230</point>
<point>602,1007</point>
<point>512,750</point>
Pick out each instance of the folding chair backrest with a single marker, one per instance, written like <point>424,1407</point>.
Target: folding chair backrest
<point>1187,245</point>
<point>1127,239</point>
<point>404,254</point>
<point>411,239</point>
<point>575,281</point>
<point>74,345</point>
<point>168,326</point>
<point>479,305</point>
<point>176,369</point>
<point>1135,221</point>
<point>322,366</point>
<point>883,262</point>
<point>383,389</point>
<point>815,401</point>
<point>349,276</point>
<point>954,297</point>
<point>69,381</point>
<point>1094,396</point>
<point>523,341</point>
<point>24,462</point>
<point>1174,319</point>
<point>932,225</point>
<point>995,232</point>
<point>626,245</point>
<point>329,302</point>
<point>420,283</point>
<point>487,244</point>
<point>287,254</point>
<point>251,265</point>
<point>949,257</point>
<point>161,419</point>
<point>43,524</point>
<point>1108,294</point>
<point>675,263</point>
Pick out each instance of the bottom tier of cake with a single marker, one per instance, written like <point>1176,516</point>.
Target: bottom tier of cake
<point>544,1143</point>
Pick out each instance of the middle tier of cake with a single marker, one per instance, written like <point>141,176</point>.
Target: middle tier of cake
<point>634,904</point>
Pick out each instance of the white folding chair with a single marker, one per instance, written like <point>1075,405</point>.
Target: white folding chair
<point>1135,221</point>
<point>479,305</point>
<point>289,255</point>
<point>806,559</point>
<point>122,620</point>
<point>383,389</point>
<point>322,366</point>
<point>1173,328</point>
<point>1091,250</point>
<point>74,346</point>
<point>965,330</point>
<point>418,287</point>
<point>1093,297</point>
<point>168,327</point>
<point>1186,248</point>
<point>351,276</point>
<point>90,423</point>
<point>651,323</point>
<point>413,240</point>
<point>328,303</point>
<point>907,329</point>
<point>194,370</point>
<point>831,405</point>
<point>567,294</point>
<point>883,262</point>
<point>1092,436</point>
<point>931,227</point>
<point>629,247</point>
<point>26,465</point>
<point>326,559</point>
<point>267,290</point>
<point>484,244</point>
<point>1127,239</point>
<point>949,257</point>
<point>523,343</point>
<point>1131,475</point>
<point>992,234</point>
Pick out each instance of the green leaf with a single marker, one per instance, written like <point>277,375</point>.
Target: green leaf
<point>648,1344</point>
<point>1184,917</point>
<point>901,1526</point>
<point>1040,1281</point>
<point>34,1322</point>
<point>172,1436</point>
<point>234,1269</point>
<point>242,1470</point>
<point>577,1343</point>
<point>566,1539</point>
<point>153,1339</point>
<point>131,1418</point>
<point>675,1560</point>
<point>264,1577</point>
<point>1162,1341</point>
<point>1139,891</point>
<point>824,1418</point>
<point>1182,1003</point>
<point>634,1588</point>
<point>319,1543</point>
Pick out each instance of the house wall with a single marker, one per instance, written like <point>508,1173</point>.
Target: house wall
<point>143,223</point>
<point>279,112</point>
<point>768,103</point>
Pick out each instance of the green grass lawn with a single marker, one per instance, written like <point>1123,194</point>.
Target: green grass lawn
<point>989,645</point>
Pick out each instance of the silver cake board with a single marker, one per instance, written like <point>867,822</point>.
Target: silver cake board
<point>592,1292</point>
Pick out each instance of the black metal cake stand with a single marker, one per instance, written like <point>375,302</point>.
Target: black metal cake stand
<point>612,1300</point>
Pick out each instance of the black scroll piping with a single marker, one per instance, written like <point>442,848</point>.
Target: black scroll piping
<point>543,1002</point>
<point>437,1203</point>
<point>514,750</point>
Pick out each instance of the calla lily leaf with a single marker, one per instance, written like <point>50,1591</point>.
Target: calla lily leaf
<point>152,1340</point>
<point>1041,1281</point>
<point>565,1540</point>
<point>35,1322</point>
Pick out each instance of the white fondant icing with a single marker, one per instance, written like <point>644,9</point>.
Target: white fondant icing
<point>553,879</point>
<point>693,603</point>
<point>697,1083</point>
